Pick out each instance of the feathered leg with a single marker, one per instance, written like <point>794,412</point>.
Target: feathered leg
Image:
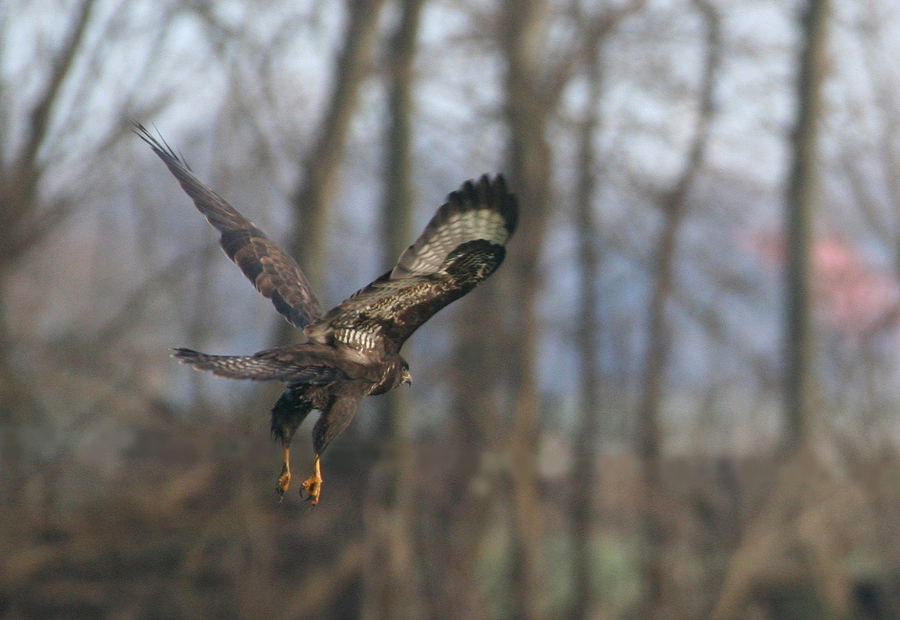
<point>288,413</point>
<point>333,421</point>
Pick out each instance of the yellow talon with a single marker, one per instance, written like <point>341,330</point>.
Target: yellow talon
<point>313,484</point>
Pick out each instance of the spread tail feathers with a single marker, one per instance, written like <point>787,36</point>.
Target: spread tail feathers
<point>231,366</point>
<point>279,364</point>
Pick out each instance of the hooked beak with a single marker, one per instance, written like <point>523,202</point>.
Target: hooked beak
<point>405,377</point>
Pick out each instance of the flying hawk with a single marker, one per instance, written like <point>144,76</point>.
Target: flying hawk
<point>353,350</point>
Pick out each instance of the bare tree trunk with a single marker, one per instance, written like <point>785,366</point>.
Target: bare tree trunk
<point>392,580</point>
<point>22,225</point>
<point>649,439</point>
<point>18,409</point>
<point>806,481</point>
<point>528,108</point>
<point>801,197</point>
<point>584,474</point>
<point>313,198</point>
<point>460,492</point>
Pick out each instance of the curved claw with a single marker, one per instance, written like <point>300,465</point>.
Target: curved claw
<point>284,481</point>
<point>313,485</point>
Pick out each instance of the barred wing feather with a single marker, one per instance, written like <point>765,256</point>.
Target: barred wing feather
<point>461,246</point>
<point>274,274</point>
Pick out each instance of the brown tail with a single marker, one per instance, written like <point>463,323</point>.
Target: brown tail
<point>232,366</point>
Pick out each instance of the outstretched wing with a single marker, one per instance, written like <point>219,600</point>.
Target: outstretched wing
<point>461,246</point>
<point>272,272</point>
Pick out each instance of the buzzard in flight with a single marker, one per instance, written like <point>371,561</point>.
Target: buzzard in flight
<point>353,350</point>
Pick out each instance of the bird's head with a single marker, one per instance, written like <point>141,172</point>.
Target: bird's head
<point>405,376</point>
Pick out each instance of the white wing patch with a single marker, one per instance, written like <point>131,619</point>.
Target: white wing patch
<point>428,254</point>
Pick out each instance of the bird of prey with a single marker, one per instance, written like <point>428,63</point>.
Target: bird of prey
<point>353,350</point>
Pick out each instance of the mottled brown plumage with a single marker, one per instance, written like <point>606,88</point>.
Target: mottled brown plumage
<point>353,350</point>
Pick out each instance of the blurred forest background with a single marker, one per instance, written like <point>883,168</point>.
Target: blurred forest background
<point>677,399</point>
